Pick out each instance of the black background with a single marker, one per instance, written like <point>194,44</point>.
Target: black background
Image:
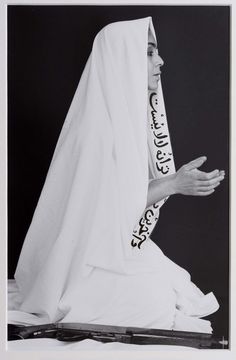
<point>47,50</point>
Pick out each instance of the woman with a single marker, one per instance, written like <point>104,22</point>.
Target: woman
<point>88,256</point>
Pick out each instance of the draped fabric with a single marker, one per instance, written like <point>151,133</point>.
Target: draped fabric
<point>161,161</point>
<point>87,256</point>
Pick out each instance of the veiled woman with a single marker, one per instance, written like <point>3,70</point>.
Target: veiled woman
<point>88,256</point>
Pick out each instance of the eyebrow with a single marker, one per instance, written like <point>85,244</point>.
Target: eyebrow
<point>152,44</point>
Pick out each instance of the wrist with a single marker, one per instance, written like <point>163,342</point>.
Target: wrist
<point>172,184</point>
<point>167,184</point>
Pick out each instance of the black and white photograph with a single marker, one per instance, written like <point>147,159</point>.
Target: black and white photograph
<point>118,178</point>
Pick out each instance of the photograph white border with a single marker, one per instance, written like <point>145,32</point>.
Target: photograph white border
<point>84,355</point>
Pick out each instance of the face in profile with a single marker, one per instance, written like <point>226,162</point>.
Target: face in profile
<point>154,63</point>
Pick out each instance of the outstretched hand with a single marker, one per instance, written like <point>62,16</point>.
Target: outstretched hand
<point>188,180</point>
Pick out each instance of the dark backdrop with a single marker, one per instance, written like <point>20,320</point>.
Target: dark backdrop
<point>47,50</point>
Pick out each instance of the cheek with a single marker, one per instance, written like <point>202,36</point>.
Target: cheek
<point>149,67</point>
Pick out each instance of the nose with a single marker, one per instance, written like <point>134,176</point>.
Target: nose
<point>157,60</point>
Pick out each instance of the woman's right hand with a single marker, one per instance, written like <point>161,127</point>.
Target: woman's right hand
<point>188,180</point>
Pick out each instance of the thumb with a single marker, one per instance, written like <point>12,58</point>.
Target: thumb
<point>195,163</point>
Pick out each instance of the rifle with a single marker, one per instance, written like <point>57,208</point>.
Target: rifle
<point>110,333</point>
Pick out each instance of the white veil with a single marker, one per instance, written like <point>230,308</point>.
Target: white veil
<point>96,186</point>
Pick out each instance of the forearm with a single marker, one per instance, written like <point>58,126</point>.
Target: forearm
<point>158,189</point>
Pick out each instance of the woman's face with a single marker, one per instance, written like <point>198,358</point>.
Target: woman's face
<point>154,63</point>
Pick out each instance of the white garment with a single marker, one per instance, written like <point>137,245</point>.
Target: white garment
<point>77,264</point>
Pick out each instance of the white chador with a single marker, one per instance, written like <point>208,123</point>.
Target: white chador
<point>88,256</point>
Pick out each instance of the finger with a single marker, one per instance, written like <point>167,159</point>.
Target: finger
<point>208,188</point>
<point>202,175</point>
<point>195,163</point>
<point>214,181</point>
<point>205,193</point>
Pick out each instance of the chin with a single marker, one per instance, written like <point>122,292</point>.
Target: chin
<point>152,87</point>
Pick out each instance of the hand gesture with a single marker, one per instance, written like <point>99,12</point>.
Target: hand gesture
<point>188,180</point>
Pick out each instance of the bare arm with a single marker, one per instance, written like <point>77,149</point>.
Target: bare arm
<point>188,180</point>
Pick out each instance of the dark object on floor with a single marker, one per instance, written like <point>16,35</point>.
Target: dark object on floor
<point>109,333</point>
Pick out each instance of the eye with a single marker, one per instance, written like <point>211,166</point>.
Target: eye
<point>150,52</point>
